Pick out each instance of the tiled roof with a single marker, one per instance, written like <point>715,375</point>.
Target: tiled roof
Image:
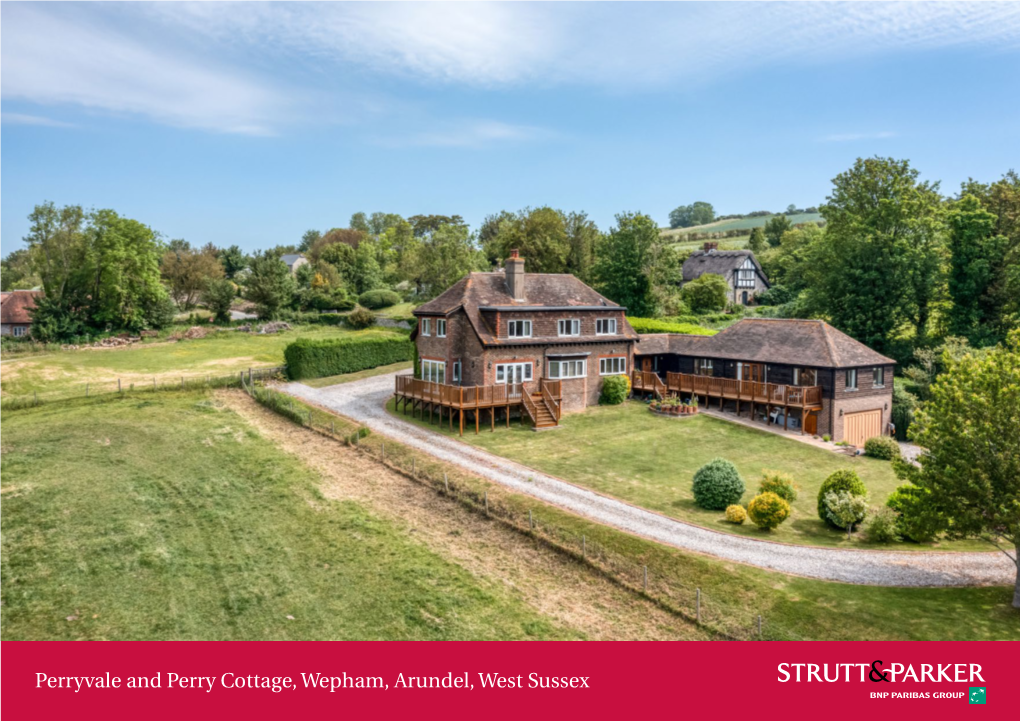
<point>771,340</point>
<point>720,262</point>
<point>542,291</point>
<point>15,304</point>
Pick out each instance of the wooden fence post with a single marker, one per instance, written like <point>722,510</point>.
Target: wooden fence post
<point>584,546</point>
<point>86,390</point>
<point>446,483</point>
<point>531,520</point>
<point>697,607</point>
<point>759,625</point>
<point>413,472</point>
<point>646,579</point>
<point>118,386</point>
<point>486,502</point>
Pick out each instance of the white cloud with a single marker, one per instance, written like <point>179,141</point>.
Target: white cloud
<point>850,137</point>
<point>466,134</point>
<point>21,119</point>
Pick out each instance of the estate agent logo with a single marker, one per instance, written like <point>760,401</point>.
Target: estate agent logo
<point>977,694</point>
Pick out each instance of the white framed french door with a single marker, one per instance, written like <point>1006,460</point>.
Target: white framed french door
<point>514,372</point>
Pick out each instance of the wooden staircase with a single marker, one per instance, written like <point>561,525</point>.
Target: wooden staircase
<point>542,408</point>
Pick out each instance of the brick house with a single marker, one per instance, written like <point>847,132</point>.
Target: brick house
<point>804,374</point>
<point>741,270</point>
<point>509,327</point>
<point>15,315</point>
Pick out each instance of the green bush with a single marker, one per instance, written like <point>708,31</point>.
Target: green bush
<point>842,480</point>
<point>654,325</point>
<point>882,447</point>
<point>881,525</point>
<point>901,501</point>
<point>736,514</point>
<point>767,510</point>
<point>706,293</point>
<point>717,484</point>
<point>904,403</point>
<point>308,358</point>
<point>615,390</point>
<point>779,483</point>
<point>376,299</point>
<point>844,509</point>
<point>360,319</point>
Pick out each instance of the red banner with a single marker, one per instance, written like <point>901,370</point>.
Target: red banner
<point>510,680</point>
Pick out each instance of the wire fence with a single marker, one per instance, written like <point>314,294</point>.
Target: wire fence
<point>94,389</point>
<point>660,585</point>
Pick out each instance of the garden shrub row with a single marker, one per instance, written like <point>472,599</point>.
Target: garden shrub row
<point>654,325</point>
<point>307,358</point>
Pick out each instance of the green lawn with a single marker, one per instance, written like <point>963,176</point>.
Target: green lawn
<point>64,373</point>
<point>400,310</point>
<point>170,518</point>
<point>628,453</point>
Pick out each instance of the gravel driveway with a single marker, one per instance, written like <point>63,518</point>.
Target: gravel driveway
<point>364,402</point>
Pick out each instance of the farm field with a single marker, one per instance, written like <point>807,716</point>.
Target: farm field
<point>626,452</point>
<point>169,519</point>
<point>64,373</point>
<point>721,226</point>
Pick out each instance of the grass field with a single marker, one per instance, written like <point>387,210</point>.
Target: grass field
<point>172,519</point>
<point>628,453</point>
<point>223,353</point>
<point>721,226</point>
<point>400,310</point>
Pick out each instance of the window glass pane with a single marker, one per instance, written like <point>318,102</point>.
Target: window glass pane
<point>500,374</point>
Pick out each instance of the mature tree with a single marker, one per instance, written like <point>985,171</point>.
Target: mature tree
<point>425,225</point>
<point>441,259</point>
<point>884,257</point>
<point>343,259</point>
<point>686,216</point>
<point>976,255</point>
<point>706,293</point>
<point>187,271</point>
<point>368,274</point>
<point>969,475</point>
<point>540,234</point>
<point>269,285</point>
<point>622,260</point>
<point>379,223</point>
<point>233,260</point>
<point>55,241</point>
<point>757,242</point>
<point>17,272</point>
<point>347,236</point>
<point>218,296</point>
<point>665,273</point>
<point>582,237</point>
<point>308,239</point>
<point>489,235</point>
<point>775,227</point>
<point>359,221</point>
<point>794,264</point>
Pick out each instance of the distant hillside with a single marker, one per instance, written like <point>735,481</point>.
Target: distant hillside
<point>722,226</point>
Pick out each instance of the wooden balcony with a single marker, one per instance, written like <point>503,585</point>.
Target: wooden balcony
<point>540,401</point>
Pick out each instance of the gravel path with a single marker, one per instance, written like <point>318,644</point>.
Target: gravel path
<point>364,402</point>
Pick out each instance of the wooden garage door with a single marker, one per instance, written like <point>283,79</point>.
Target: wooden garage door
<point>859,427</point>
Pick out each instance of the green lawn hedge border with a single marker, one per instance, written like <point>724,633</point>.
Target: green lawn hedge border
<point>307,358</point>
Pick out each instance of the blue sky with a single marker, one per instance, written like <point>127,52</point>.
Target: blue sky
<point>250,123</point>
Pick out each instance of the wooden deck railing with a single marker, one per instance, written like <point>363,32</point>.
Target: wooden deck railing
<point>770,393</point>
<point>530,407</point>
<point>467,397</point>
<point>648,381</point>
<point>550,399</point>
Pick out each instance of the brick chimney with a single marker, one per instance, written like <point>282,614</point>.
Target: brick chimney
<point>711,245</point>
<point>515,275</point>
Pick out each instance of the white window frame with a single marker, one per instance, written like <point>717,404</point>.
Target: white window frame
<point>701,365</point>
<point>19,331</point>
<point>613,366</point>
<point>426,326</point>
<point>526,375</point>
<point>875,373</point>
<point>573,326</point>
<point>567,369</point>
<point>433,371</point>
<point>456,372</point>
<point>440,327</point>
<point>522,326</point>
<point>745,274</point>
<point>603,323</point>
<point>851,372</point>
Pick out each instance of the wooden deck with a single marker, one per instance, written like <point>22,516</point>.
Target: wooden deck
<point>540,401</point>
<point>772,395</point>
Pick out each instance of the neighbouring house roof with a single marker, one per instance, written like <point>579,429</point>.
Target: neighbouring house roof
<point>543,291</point>
<point>720,262</point>
<point>291,258</point>
<point>812,343</point>
<point>15,305</point>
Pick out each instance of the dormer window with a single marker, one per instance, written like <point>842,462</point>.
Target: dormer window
<point>605,326</point>
<point>519,329</point>
<point>745,274</point>
<point>569,327</point>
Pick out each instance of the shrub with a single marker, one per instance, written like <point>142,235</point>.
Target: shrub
<point>736,514</point>
<point>308,358</point>
<point>882,447</point>
<point>360,319</point>
<point>717,484</point>
<point>376,299</point>
<point>615,390</point>
<point>779,483</point>
<point>901,502</point>
<point>844,480</point>
<point>904,403</point>
<point>776,295</point>
<point>881,525</point>
<point>706,293</point>
<point>654,325</point>
<point>845,509</point>
<point>767,510</point>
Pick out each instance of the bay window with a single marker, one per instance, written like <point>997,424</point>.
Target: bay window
<point>612,366</point>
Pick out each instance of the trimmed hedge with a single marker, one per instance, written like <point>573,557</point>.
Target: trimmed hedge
<point>376,299</point>
<point>654,325</point>
<point>882,447</point>
<point>308,358</point>
<point>615,390</point>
